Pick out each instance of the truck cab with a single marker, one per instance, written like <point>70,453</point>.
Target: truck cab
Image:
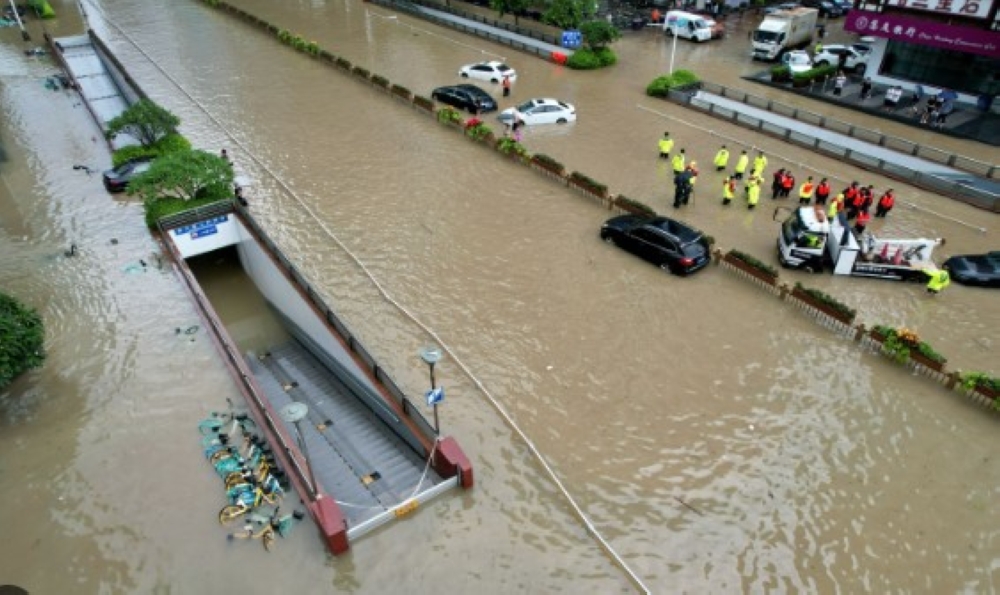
<point>803,238</point>
<point>782,31</point>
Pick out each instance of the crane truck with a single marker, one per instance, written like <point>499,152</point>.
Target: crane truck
<point>782,31</point>
<point>811,241</point>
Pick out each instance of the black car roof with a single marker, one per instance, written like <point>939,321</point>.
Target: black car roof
<point>681,231</point>
<point>472,89</point>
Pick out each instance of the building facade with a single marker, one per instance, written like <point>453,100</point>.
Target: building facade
<point>934,44</point>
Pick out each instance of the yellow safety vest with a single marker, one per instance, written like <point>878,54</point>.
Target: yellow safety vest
<point>741,164</point>
<point>939,280</point>
<point>721,158</point>
<point>679,162</point>
<point>806,190</point>
<point>666,145</point>
<point>727,191</point>
<point>753,194</point>
<point>759,163</point>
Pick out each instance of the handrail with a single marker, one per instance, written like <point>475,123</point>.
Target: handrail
<point>962,162</point>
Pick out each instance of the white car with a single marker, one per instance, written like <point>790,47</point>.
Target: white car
<point>853,59</point>
<point>488,71</point>
<point>541,111</point>
<point>797,61</point>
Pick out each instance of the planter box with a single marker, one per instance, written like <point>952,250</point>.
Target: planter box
<point>925,361</point>
<point>599,193</point>
<point>558,171</point>
<point>751,270</point>
<point>986,392</point>
<point>822,307</point>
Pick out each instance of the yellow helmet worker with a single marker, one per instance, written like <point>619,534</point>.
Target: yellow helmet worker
<point>939,279</point>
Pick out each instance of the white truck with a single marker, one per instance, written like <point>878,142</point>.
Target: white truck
<point>808,240</point>
<point>782,31</point>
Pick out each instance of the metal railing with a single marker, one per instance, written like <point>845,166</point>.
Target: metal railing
<point>957,190</point>
<point>902,145</point>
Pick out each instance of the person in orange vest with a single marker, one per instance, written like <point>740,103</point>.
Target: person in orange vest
<point>863,218</point>
<point>728,190</point>
<point>822,192</point>
<point>867,197</point>
<point>787,183</point>
<point>806,191</point>
<point>655,16</point>
<point>885,203</point>
<point>851,194</point>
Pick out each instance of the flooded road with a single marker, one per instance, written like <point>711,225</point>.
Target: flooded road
<point>718,441</point>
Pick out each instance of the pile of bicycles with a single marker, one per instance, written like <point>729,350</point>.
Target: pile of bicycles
<point>254,484</point>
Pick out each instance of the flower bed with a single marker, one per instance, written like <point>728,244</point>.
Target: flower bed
<point>585,183</point>
<point>824,303</point>
<point>549,164</point>
<point>401,91</point>
<point>902,345</point>
<point>751,266</point>
<point>513,149</point>
<point>984,384</point>
<point>633,206</point>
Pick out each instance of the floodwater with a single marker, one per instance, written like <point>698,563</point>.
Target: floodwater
<point>716,440</point>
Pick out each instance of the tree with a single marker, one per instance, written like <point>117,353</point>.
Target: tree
<point>514,7</point>
<point>21,336</point>
<point>145,121</point>
<point>568,14</point>
<point>599,34</point>
<point>185,175</point>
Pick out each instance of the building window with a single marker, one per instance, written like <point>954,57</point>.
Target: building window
<point>966,73</point>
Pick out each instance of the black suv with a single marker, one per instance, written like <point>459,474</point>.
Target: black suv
<point>467,97</point>
<point>827,8</point>
<point>669,244</point>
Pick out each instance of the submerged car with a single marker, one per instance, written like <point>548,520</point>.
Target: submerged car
<point>117,179</point>
<point>541,111</point>
<point>493,72</point>
<point>669,244</point>
<point>465,97</point>
<point>975,269</point>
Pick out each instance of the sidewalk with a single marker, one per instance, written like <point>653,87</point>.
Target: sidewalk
<point>967,121</point>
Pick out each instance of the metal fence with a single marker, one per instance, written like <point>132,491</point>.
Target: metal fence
<point>950,188</point>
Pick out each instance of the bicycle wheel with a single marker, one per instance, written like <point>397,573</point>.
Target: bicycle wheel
<point>209,426</point>
<point>230,513</point>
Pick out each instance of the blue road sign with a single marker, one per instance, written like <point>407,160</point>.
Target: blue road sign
<point>434,396</point>
<point>572,39</point>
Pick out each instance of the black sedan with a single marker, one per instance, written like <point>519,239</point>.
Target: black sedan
<point>466,97</point>
<point>669,244</point>
<point>117,179</point>
<point>975,269</point>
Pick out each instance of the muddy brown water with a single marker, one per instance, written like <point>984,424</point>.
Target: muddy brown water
<point>807,465</point>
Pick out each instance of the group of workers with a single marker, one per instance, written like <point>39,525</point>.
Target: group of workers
<point>855,201</point>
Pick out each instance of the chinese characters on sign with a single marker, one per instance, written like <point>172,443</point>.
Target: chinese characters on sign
<point>940,35</point>
<point>966,8</point>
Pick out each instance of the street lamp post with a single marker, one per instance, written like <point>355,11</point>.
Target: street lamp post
<point>294,413</point>
<point>673,47</point>
<point>432,355</point>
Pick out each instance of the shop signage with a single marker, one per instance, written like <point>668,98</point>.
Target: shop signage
<point>966,8</point>
<point>940,35</point>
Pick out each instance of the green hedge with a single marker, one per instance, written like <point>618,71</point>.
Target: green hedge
<point>587,59</point>
<point>582,180</point>
<point>661,85</point>
<point>167,144</point>
<point>828,300</point>
<point>635,205</point>
<point>22,335</point>
<point>752,261</point>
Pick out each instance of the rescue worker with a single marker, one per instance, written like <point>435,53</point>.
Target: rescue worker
<point>759,164</point>
<point>722,159</point>
<point>806,191</point>
<point>728,190</point>
<point>939,279</point>
<point>822,192</point>
<point>753,192</point>
<point>867,197</point>
<point>836,206</point>
<point>787,183</point>
<point>862,221</point>
<point>776,182</point>
<point>682,188</point>
<point>678,162</point>
<point>885,203</point>
<point>741,165</point>
<point>851,194</point>
<point>666,144</point>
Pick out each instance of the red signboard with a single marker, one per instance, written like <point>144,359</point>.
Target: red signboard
<point>966,8</point>
<point>911,30</point>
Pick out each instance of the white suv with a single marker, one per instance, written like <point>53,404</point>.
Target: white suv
<point>831,55</point>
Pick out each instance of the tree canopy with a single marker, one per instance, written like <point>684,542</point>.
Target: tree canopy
<point>145,121</point>
<point>186,175</point>
<point>599,34</point>
<point>514,7</point>
<point>21,336</point>
<point>568,14</point>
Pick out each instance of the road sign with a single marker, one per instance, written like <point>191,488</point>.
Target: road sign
<point>434,396</point>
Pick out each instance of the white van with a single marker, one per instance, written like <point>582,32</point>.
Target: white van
<point>687,25</point>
